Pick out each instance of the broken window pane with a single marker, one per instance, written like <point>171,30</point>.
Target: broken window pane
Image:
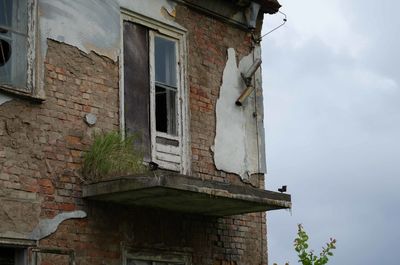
<point>5,38</point>
<point>5,51</point>
<point>166,109</point>
<point>13,42</point>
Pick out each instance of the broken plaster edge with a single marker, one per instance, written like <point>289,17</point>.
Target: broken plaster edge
<point>47,227</point>
<point>4,99</point>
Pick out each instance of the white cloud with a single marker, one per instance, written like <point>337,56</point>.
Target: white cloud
<point>333,123</point>
<point>375,82</point>
<point>316,19</point>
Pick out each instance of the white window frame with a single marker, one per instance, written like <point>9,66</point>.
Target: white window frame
<point>152,36</point>
<point>166,156</point>
<point>29,88</point>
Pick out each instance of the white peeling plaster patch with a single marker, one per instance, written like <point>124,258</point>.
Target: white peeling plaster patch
<point>237,148</point>
<point>90,25</point>
<point>152,9</point>
<point>48,226</point>
<point>4,99</point>
<point>229,149</point>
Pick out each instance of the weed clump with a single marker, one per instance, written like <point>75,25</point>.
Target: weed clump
<point>112,155</point>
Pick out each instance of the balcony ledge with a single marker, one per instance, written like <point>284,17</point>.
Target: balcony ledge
<point>176,192</point>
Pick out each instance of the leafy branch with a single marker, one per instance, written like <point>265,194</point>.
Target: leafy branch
<point>307,257</point>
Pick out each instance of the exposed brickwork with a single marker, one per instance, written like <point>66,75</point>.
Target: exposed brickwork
<point>208,41</point>
<point>42,144</point>
<point>41,147</point>
<point>208,240</point>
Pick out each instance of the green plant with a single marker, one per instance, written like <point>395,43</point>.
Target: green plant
<point>307,257</point>
<point>110,155</point>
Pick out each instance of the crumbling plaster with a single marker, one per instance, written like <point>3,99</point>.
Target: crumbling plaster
<point>239,141</point>
<point>19,216</point>
<point>19,213</point>
<point>92,25</point>
<point>4,99</point>
<point>89,25</point>
<point>48,226</point>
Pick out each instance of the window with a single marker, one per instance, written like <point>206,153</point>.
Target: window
<point>154,95</point>
<point>161,258</point>
<point>166,85</point>
<point>16,33</point>
<point>12,256</point>
<point>147,262</point>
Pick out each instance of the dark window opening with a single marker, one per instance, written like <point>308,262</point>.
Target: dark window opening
<point>5,52</point>
<point>12,256</point>
<point>165,110</point>
<point>7,256</point>
<point>5,22</point>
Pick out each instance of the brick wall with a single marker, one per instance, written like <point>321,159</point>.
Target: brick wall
<point>41,147</point>
<point>41,144</point>
<point>208,41</point>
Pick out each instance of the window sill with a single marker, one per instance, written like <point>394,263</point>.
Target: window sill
<point>19,93</point>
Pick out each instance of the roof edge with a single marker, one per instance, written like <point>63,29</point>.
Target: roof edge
<point>269,6</point>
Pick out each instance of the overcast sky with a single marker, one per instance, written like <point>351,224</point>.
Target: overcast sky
<point>331,80</point>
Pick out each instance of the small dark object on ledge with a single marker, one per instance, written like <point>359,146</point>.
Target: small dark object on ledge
<point>153,166</point>
<point>283,189</point>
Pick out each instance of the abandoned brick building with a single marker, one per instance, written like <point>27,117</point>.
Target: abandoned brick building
<point>182,74</point>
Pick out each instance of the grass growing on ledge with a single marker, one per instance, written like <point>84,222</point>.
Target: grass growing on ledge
<point>112,155</point>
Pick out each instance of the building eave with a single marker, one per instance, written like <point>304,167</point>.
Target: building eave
<point>269,6</point>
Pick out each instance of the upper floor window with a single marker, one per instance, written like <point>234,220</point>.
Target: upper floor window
<point>154,95</point>
<point>15,44</point>
<point>166,84</point>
